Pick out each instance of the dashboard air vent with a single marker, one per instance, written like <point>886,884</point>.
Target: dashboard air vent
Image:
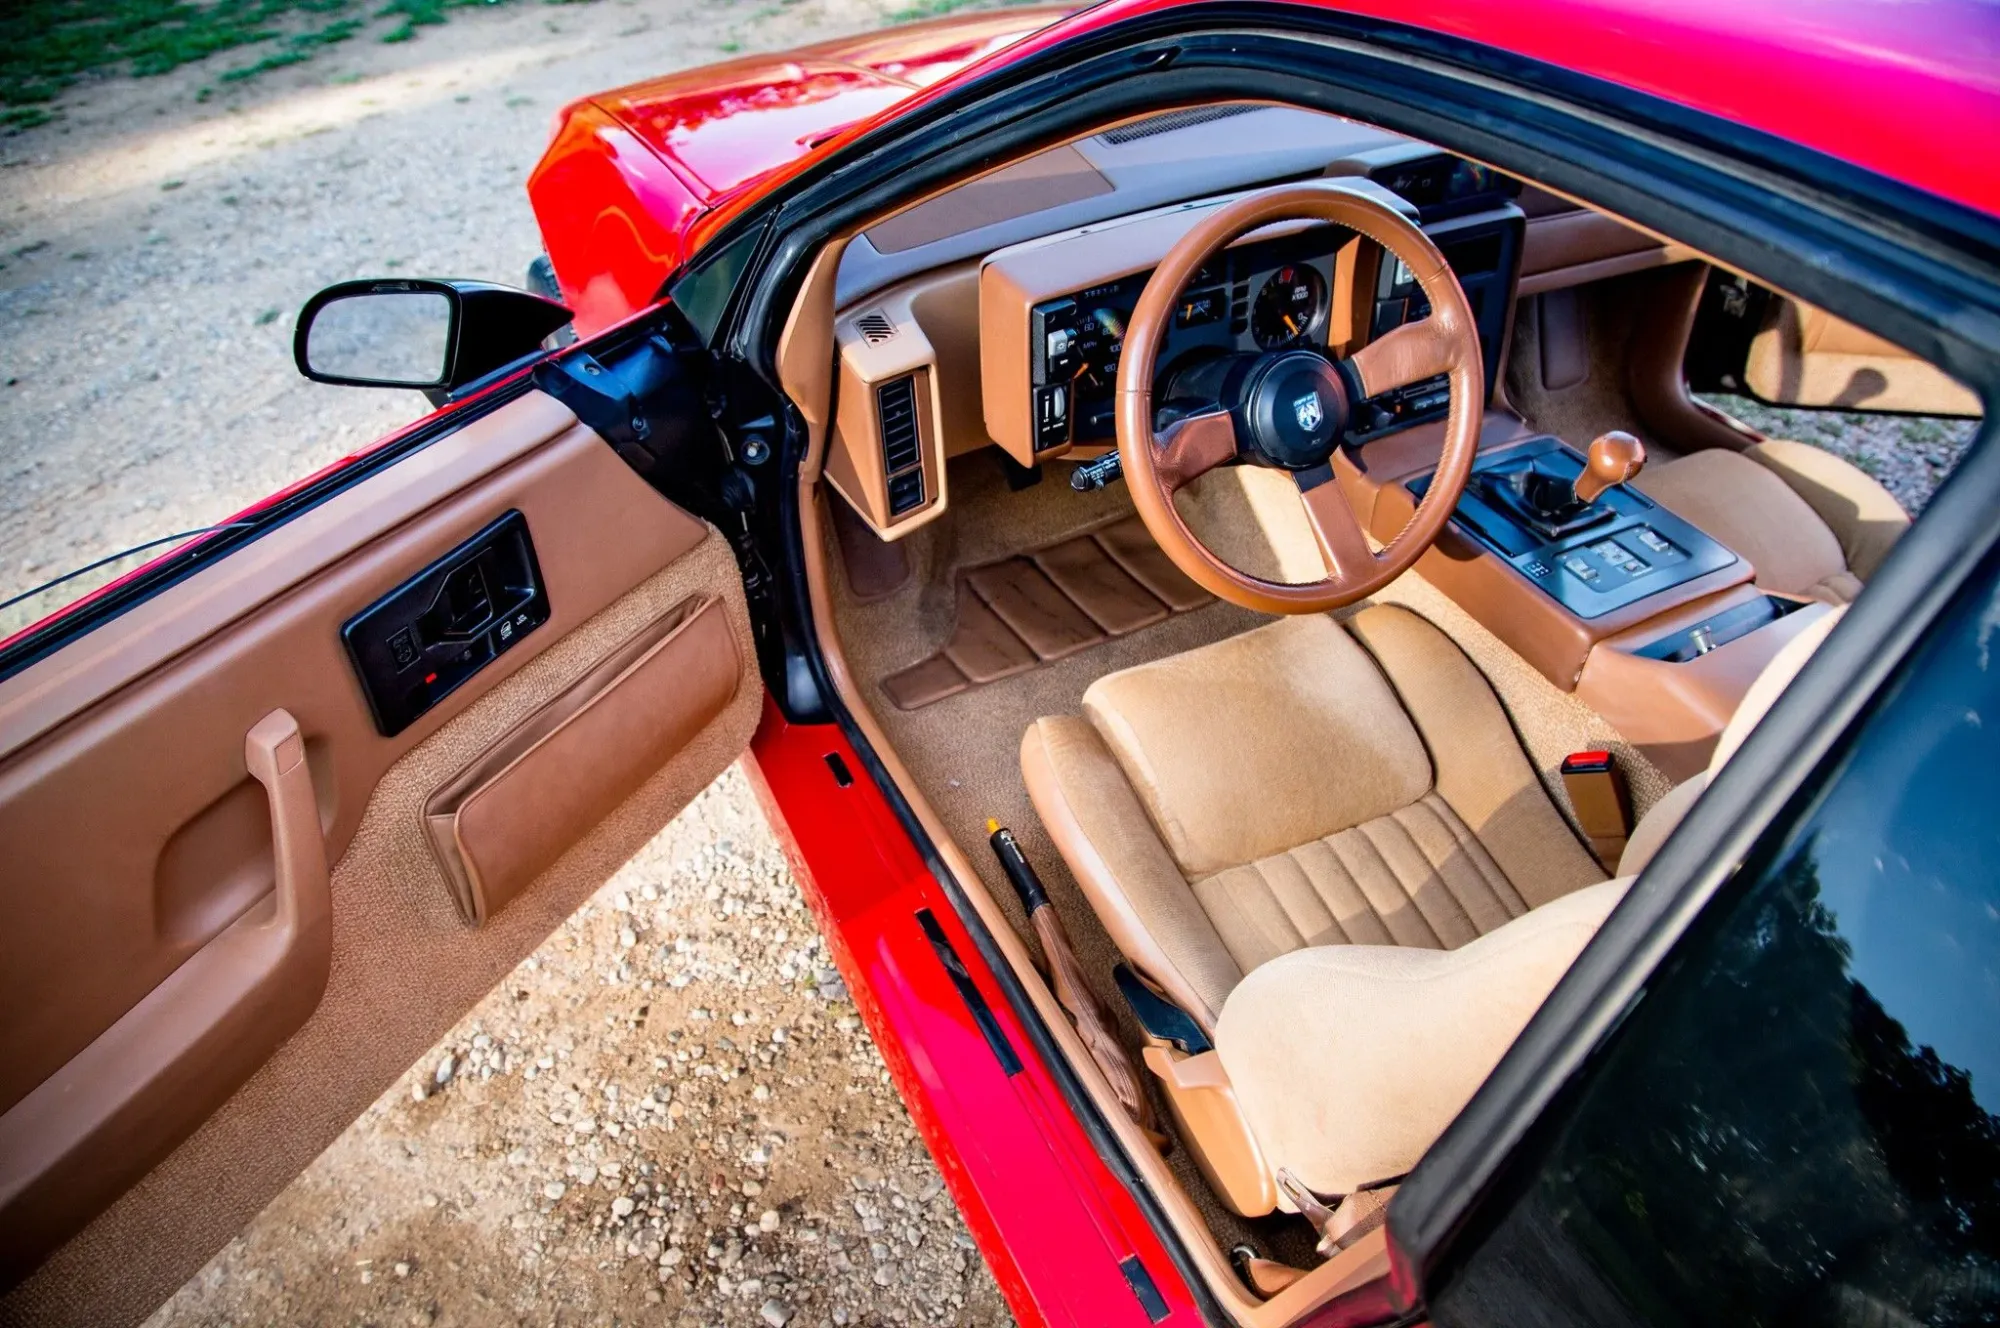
<point>1167,123</point>
<point>875,328</point>
<point>902,451</point>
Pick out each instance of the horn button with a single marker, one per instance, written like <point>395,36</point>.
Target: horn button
<point>1292,410</point>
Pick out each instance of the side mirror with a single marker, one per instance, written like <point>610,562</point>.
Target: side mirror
<point>435,336</point>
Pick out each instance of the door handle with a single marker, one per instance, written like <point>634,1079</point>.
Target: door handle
<point>276,756</point>
<point>124,1102</point>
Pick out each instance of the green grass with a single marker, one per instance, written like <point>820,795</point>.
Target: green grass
<point>53,43</point>
<point>939,8</point>
<point>296,49</point>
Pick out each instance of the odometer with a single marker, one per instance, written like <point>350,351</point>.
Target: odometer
<point>1288,306</point>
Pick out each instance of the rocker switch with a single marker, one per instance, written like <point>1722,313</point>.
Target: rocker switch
<point>403,648</point>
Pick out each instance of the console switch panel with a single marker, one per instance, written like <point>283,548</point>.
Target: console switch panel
<point>1593,559</point>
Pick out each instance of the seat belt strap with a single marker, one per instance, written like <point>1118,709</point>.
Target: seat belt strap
<point>1351,1217</point>
<point>1603,808</point>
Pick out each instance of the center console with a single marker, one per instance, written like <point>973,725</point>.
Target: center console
<point>1644,617</point>
<point>1591,558</point>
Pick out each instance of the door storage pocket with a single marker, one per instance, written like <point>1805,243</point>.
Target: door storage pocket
<point>504,819</point>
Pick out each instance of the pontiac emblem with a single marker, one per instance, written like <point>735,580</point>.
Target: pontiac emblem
<point>1307,408</point>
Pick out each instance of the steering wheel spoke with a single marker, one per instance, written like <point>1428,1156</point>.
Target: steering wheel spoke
<point>1405,355</point>
<point>1343,545</point>
<point>1287,407</point>
<point>1192,446</point>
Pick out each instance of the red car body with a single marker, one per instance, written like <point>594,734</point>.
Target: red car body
<point>635,180</point>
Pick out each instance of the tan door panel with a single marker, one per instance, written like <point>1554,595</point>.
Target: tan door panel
<point>1804,356</point>
<point>506,817</point>
<point>148,969</point>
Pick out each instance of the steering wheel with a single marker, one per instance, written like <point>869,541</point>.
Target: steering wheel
<point>1288,408</point>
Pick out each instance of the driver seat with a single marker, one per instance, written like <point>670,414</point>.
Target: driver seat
<point>1323,842</point>
<point>1309,783</point>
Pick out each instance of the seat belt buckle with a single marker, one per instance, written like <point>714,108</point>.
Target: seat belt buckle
<point>1603,808</point>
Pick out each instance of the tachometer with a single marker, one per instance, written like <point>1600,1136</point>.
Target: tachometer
<point>1288,307</point>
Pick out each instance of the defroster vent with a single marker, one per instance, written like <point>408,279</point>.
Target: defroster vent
<point>902,449</point>
<point>1169,121</point>
<point>875,327</point>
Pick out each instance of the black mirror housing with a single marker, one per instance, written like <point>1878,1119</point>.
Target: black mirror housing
<point>418,332</point>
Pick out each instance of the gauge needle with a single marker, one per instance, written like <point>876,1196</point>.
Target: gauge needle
<point>1290,326</point>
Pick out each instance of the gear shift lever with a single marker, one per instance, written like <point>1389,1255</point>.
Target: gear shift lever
<point>1614,458</point>
<point>1542,498</point>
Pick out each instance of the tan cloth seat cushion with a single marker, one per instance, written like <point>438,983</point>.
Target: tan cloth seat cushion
<point>1287,788</point>
<point>1809,522</point>
<point>1864,517</point>
<point>1660,820</point>
<point>1752,510</point>
<point>1415,877</point>
<point>1665,815</point>
<point>1348,1061</point>
<point>1479,768</point>
<point>1243,748</point>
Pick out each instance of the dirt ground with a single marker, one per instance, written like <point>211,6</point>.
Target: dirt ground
<point>670,1113</point>
<point>155,249</point>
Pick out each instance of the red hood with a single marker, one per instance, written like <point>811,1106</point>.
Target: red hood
<point>723,126</point>
<point>636,179</point>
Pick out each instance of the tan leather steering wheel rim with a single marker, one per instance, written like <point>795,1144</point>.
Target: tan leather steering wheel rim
<point>1156,465</point>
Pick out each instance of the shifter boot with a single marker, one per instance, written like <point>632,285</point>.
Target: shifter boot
<point>1540,498</point>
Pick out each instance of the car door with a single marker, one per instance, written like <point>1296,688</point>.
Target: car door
<point>270,824</point>
<point>1785,352</point>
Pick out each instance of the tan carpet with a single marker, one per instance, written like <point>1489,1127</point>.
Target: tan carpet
<point>1612,311</point>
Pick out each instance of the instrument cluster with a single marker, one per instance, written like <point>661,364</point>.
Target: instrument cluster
<point>1262,296</point>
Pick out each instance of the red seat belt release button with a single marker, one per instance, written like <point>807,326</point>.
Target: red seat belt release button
<point>1603,807</point>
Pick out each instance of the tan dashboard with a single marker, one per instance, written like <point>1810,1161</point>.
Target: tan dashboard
<point>941,364</point>
<point>888,456</point>
<point>947,362</point>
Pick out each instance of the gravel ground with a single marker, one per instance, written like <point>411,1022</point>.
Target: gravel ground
<point>155,249</point>
<point>1909,454</point>
<point>670,1113</point>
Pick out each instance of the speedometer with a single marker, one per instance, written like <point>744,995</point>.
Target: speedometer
<point>1288,307</point>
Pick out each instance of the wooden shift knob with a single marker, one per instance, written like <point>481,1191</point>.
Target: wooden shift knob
<point>1614,457</point>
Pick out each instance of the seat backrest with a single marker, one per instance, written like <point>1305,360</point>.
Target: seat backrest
<point>1661,820</point>
<point>1804,356</point>
<point>1226,770</point>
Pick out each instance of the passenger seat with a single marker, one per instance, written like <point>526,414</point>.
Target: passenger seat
<point>1813,525</point>
<point>1346,1062</point>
